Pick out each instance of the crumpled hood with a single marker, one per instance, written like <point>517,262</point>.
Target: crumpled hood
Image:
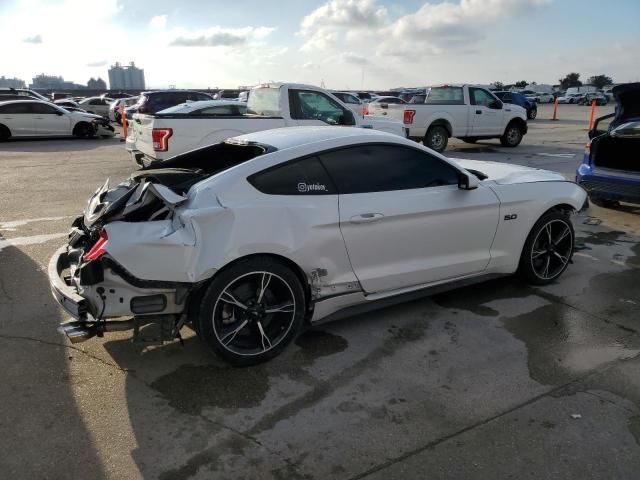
<point>505,173</point>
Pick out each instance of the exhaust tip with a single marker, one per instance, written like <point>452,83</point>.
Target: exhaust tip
<point>78,331</point>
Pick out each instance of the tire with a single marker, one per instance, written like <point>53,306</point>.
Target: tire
<point>532,114</point>
<point>605,203</point>
<point>234,318</point>
<point>5,133</point>
<point>543,261</point>
<point>436,138</point>
<point>512,136</point>
<point>83,130</point>
<point>469,139</point>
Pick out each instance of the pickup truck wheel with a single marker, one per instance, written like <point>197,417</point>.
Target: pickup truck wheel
<point>83,130</point>
<point>512,136</point>
<point>251,311</point>
<point>436,138</point>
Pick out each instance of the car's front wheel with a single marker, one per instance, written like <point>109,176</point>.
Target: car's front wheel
<point>533,113</point>
<point>548,249</point>
<point>251,311</point>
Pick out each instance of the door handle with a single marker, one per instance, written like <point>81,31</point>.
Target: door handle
<point>366,218</point>
<point>478,112</point>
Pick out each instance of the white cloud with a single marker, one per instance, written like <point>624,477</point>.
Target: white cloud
<point>221,37</point>
<point>33,39</point>
<point>158,22</point>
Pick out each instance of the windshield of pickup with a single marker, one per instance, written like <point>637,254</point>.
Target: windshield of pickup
<point>264,101</point>
<point>445,96</point>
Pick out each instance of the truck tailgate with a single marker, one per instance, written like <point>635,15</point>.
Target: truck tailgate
<point>191,132</point>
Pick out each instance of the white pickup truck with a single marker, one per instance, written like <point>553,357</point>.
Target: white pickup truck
<point>161,136</point>
<point>463,111</point>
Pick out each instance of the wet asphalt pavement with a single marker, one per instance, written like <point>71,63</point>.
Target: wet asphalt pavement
<point>498,380</point>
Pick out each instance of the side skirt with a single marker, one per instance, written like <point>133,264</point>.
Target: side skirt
<point>352,304</point>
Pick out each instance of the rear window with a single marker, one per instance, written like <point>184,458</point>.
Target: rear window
<point>215,158</point>
<point>445,96</point>
<point>264,101</point>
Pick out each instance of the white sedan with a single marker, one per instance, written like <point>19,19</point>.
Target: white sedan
<point>97,105</point>
<point>248,239</point>
<point>34,118</point>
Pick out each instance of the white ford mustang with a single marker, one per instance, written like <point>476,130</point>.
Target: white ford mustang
<point>248,239</point>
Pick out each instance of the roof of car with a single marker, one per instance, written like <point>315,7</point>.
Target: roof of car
<point>289,137</point>
<point>203,104</point>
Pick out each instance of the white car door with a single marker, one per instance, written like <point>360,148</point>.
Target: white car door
<point>404,219</point>
<point>49,120</point>
<point>486,117</point>
<point>18,118</point>
<point>309,107</point>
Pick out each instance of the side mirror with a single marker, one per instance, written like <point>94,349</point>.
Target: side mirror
<point>348,118</point>
<point>467,181</point>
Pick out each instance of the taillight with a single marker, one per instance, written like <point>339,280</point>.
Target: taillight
<point>587,149</point>
<point>365,109</point>
<point>160,138</point>
<point>408,116</point>
<point>98,248</point>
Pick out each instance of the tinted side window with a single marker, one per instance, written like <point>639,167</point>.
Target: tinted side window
<point>300,177</point>
<point>379,168</point>
<point>16,108</point>
<point>42,108</point>
<point>96,101</point>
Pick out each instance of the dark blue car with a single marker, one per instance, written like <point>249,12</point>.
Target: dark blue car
<point>610,169</point>
<point>517,98</point>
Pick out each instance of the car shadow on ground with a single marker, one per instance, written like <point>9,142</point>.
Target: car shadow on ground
<point>55,144</point>
<point>42,434</point>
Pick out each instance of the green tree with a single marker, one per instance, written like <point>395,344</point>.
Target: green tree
<point>521,84</point>
<point>600,81</point>
<point>571,80</point>
<point>498,85</point>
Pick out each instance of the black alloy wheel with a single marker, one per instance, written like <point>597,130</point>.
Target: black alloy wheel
<point>548,249</point>
<point>251,311</point>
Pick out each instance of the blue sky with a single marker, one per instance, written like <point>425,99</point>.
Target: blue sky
<point>373,44</point>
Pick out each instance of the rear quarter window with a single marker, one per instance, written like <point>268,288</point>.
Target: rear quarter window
<point>445,96</point>
<point>300,177</point>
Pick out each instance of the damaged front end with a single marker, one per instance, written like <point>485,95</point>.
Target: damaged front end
<point>99,293</point>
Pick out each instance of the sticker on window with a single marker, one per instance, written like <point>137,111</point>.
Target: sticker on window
<point>311,187</point>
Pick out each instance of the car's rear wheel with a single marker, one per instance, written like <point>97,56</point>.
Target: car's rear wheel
<point>251,311</point>
<point>436,138</point>
<point>548,249</point>
<point>512,135</point>
<point>5,133</point>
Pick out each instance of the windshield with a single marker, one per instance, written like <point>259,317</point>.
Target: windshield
<point>264,101</point>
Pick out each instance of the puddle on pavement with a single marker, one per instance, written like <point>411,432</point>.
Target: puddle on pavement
<point>190,388</point>
<point>602,238</point>
<point>564,343</point>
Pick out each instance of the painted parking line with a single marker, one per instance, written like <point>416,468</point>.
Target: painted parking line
<point>557,155</point>
<point>31,240</point>
<point>13,224</point>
